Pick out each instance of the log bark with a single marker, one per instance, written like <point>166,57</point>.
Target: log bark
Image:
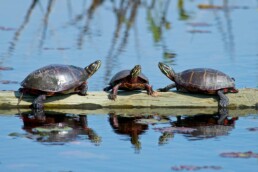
<point>245,98</point>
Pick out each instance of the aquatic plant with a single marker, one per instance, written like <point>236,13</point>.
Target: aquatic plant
<point>248,154</point>
<point>194,168</point>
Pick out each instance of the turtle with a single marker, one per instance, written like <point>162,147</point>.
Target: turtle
<point>200,80</point>
<point>129,80</point>
<point>57,79</point>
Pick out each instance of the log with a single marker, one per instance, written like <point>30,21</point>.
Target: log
<point>245,98</point>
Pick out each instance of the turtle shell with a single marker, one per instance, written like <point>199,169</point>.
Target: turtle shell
<point>125,73</point>
<point>203,79</point>
<point>55,78</point>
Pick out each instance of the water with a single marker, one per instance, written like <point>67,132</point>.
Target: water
<point>122,34</point>
<point>124,142</point>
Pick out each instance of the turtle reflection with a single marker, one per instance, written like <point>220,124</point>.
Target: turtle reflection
<point>135,125</point>
<point>207,126</point>
<point>200,126</point>
<point>127,125</point>
<point>56,128</point>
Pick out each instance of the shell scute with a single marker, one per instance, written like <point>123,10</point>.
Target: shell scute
<point>55,78</point>
<point>204,79</point>
<point>126,73</point>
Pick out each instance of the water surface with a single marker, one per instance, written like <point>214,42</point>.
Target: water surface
<point>183,34</point>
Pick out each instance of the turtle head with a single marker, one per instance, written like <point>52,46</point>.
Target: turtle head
<point>92,68</point>
<point>136,71</point>
<point>167,70</point>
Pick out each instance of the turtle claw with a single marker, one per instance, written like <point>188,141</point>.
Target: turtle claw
<point>112,97</point>
<point>155,94</point>
<point>150,91</point>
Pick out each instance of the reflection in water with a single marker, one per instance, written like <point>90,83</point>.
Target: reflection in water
<point>158,23</point>
<point>201,126</point>
<point>227,35</point>
<point>45,22</point>
<point>121,11</point>
<point>126,15</point>
<point>57,129</point>
<point>18,33</point>
<point>182,13</point>
<point>207,126</point>
<point>135,125</point>
<point>85,29</point>
<point>157,20</point>
<point>127,125</point>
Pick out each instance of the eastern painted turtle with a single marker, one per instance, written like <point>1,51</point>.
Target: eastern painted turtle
<point>129,80</point>
<point>200,80</point>
<point>57,78</point>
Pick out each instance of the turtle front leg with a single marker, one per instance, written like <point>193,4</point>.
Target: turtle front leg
<point>149,90</point>
<point>113,94</point>
<point>83,89</point>
<point>224,101</point>
<point>167,88</point>
<point>38,102</point>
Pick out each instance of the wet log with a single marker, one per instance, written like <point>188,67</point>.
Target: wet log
<point>246,98</point>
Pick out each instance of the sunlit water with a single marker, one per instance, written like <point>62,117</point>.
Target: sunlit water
<point>180,33</point>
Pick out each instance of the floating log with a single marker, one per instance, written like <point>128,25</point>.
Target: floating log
<point>245,98</point>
